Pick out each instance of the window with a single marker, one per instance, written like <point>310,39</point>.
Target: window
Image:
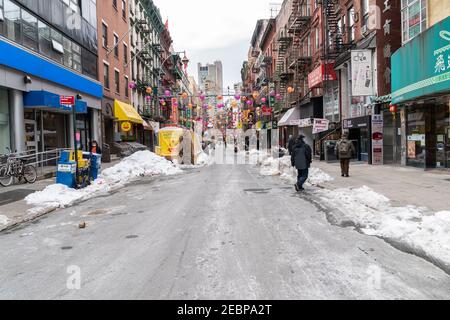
<point>351,24</point>
<point>126,86</point>
<point>30,31</point>
<point>116,47</point>
<point>117,80</point>
<point>125,53</point>
<point>106,75</point>
<point>414,18</point>
<point>124,10</point>
<point>365,11</point>
<point>12,29</point>
<point>104,35</point>
<point>317,40</point>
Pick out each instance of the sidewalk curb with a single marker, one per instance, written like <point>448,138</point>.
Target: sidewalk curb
<point>15,224</point>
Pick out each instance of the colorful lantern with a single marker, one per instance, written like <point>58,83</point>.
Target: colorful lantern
<point>279,97</point>
<point>148,98</point>
<point>255,95</point>
<point>272,93</point>
<point>167,93</point>
<point>291,90</point>
<point>202,97</point>
<point>149,90</point>
<point>184,95</point>
<point>132,85</point>
<point>190,105</point>
<point>233,104</point>
<point>263,100</point>
<point>237,97</point>
<point>249,102</point>
<point>219,97</point>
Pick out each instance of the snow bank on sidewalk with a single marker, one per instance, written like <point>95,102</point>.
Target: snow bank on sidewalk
<point>282,167</point>
<point>140,164</point>
<point>416,229</point>
<point>3,220</point>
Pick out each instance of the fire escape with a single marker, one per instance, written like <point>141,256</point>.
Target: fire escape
<point>299,60</point>
<point>284,74</point>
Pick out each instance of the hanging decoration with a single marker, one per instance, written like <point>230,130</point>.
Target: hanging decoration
<point>184,95</point>
<point>272,93</point>
<point>291,90</point>
<point>234,104</point>
<point>219,97</point>
<point>237,97</point>
<point>148,98</point>
<point>132,85</point>
<point>263,100</point>
<point>162,102</point>
<point>149,90</point>
<point>167,93</point>
<point>279,97</point>
<point>255,95</point>
<point>202,97</point>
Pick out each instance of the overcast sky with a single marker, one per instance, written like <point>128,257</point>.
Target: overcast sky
<point>212,30</point>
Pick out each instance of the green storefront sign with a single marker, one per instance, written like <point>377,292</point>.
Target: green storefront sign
<point>422,66</point>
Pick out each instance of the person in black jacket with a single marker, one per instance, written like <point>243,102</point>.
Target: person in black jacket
<point>301,159</point>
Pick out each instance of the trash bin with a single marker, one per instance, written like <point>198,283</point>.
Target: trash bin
<point>66,169</point>
<point>106,153</point>
<point>96,165</point>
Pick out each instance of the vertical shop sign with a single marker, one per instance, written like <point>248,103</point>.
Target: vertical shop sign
<point>377,139</point>
<point>362,73</point>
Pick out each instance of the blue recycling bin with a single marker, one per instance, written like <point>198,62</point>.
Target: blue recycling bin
<point>66,173</point>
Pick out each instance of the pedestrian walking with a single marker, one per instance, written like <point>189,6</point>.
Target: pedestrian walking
<point>290,144</point>
<point>301,159</point>
<point>95,148</point>
<point>345,151</point>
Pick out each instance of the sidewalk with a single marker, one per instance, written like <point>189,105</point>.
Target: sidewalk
<point>403,185</point>
<point>13,206</point>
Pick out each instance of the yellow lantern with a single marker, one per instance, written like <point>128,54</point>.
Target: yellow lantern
<point>255,95</point>
<point>149,90</point>
<point>190,105</point>
<point>291,90</point>
<point>233,104</point>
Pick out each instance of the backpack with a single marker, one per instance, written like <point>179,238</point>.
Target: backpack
<point>344,147</point>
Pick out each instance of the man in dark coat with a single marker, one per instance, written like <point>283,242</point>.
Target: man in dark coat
<point>301,159</point>
<point>345,151</point>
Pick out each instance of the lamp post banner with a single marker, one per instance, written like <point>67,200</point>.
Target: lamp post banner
<point>362,73</point>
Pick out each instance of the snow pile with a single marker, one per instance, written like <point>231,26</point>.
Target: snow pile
<point>414,228</point>
<point>282,167</point>
<point>140,164</point>
<point>3,220</point>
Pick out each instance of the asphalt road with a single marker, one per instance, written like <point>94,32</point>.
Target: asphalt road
<point>221,232</point>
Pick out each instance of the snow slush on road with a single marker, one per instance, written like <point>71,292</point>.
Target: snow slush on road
<point>139,165</point>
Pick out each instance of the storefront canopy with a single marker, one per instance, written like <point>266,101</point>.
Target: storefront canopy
<point>50,101</point>
<point>420,67</point>
<point>126,112</point>
<point>290,118</point>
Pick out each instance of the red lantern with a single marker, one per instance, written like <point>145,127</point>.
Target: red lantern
<point>393,108</point>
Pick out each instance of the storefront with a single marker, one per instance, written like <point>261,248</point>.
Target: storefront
<point>288,125</point>
<point>359,130</point>
<point>49,125</point>
<point>421,88</point>
<point>129,122</point>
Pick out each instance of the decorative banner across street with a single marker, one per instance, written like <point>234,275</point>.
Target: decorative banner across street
<point>362,73</point>
<point>320,125</point>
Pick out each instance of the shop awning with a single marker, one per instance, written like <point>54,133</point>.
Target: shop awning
<point>147,126</point>
<point>126,112</point>
<point>290,118</point>
<point>50,101</point>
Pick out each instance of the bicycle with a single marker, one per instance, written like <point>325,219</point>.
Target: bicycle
<point>11,168</point>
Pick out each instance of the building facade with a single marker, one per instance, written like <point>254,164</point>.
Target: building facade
<point>421,85</point>
<point>48,49</point>
<point>114,70</point>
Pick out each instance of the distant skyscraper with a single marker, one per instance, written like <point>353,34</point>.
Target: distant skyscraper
<point>210,77</point>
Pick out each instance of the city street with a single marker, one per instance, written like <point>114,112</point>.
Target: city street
<point>217,232</point>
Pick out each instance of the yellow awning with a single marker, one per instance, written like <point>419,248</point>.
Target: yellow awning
<point>126,112</point>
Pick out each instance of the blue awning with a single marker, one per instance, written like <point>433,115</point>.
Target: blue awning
<point>48,100</point>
